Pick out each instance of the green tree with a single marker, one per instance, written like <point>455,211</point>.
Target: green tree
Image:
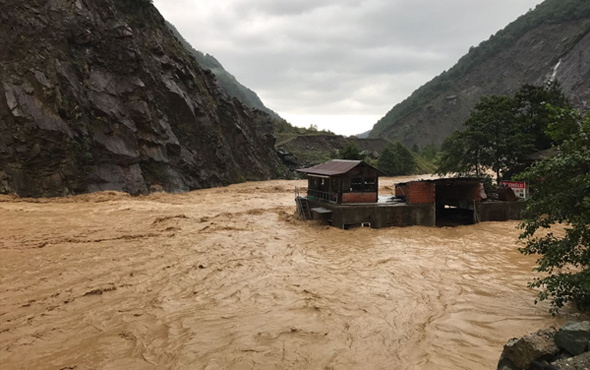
<point>534,110</point>
<point>350,151</point>
<point>492,126</point>
<point>452,151</point>
<point>501,133</point>
<point>429,152</point>
<point>462,153</point>
<point>396,160</point>
<point>560,188</point>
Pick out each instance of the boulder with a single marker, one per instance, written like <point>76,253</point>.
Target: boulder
<point>574,337</point>
<point>520,353</point>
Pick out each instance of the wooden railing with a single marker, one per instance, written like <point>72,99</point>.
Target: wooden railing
<point>322,195</point>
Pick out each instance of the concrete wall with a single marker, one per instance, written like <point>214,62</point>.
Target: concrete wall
<point>404,214</point>
<point>500,211</point>
<point>379,216</point>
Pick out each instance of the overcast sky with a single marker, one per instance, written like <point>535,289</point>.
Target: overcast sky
<point>339,64</point>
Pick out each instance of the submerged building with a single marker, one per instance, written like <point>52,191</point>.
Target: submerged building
<point>345,194</point>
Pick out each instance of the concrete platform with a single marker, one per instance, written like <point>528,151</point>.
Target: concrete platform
<point>389,211</point>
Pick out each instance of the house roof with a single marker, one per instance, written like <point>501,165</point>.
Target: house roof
<point>335,167</point>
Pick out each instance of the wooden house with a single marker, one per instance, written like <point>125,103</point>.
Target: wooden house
<point>343,181</point>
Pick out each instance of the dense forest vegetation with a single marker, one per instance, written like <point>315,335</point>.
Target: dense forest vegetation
<point>394,160</point>
<point>503,132</point>
<point>561,197</point>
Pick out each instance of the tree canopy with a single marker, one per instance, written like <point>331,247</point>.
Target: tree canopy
<point>396,160</point>
<point>350,151</point>
<point>502,132</point>
<point>560,187</point>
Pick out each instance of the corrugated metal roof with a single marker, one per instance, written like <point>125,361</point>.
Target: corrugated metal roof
<point>334,167</point>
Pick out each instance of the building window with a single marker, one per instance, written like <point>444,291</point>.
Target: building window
<point>315,183</point>
<point>370,185</point>
<point>356,184</point>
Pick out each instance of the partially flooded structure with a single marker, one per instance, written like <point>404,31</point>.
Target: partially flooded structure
<point>343,181</point>
<point>344,194</point>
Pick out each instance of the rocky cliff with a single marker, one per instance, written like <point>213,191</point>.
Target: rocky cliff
<point>551,42</point>
<point>99,95</point>
<point>226,79</point>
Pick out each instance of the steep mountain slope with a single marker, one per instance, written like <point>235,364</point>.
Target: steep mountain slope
<point>99,95</point>
<point>551,42</point>
<point>227,80</point>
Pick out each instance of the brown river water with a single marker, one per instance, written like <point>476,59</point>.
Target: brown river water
<point>228,278</point>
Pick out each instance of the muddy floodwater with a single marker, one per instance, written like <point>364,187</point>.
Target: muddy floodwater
<point>228,278</point>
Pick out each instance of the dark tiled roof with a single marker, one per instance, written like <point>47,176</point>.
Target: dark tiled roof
<point>334,167</point>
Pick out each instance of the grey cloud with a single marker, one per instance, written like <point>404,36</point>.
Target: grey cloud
<point>346,56</point>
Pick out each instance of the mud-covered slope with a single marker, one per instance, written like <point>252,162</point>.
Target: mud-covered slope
<point>551,42</point>
<point>100,95</point>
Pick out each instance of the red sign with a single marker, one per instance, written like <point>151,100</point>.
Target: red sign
<point>514,184</point>
<point>518,187</point>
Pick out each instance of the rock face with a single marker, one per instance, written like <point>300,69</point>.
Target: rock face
<point>227,80</point>
<point>538,47</point>
<point>532,347</point>
<point>566,348</point>
<point>581,362</point>
<point>574,337</point>
<point>99,95</point>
